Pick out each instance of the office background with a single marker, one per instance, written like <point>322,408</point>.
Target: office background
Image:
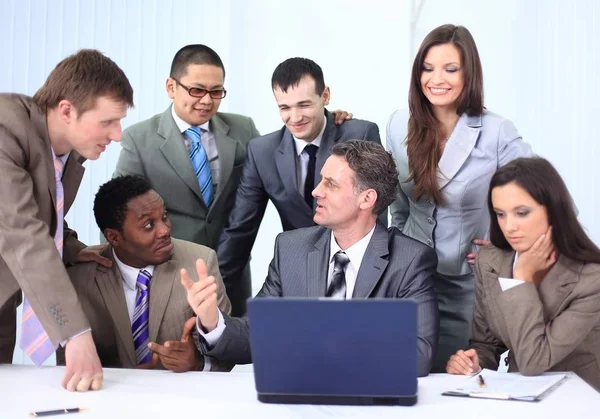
<point>540,62</point>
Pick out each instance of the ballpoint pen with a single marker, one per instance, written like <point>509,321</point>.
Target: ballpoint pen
<point>56,412</point>
<point>481,382</point>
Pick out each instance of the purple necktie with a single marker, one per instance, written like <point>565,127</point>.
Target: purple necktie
<point>139,323</point>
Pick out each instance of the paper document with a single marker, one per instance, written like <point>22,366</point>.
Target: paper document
<point>508,386</point>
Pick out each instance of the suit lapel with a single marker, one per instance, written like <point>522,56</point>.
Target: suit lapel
<point>285,160</point>
<point>557,285</point>
<point>501,263</point>
<point>71,179</point>
<point>317,266</point>
<point>173,148</point>
<point>458,147</point>
<point>160,291</point>
<point>226,147</point>
<point>110,284</point>
<point>373,263</point>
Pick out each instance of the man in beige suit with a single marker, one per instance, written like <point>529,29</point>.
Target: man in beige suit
<point>133,218</point>
<point>43,143</point>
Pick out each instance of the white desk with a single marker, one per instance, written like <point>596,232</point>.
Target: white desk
<point>166,395</point>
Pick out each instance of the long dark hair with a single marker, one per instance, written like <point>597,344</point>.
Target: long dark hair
<point>540,179</point>
<point>424,130</point>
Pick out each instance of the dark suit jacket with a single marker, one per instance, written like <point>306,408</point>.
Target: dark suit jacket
<point>28,256</point>
<point>394,266</point>
<point>155,149</point>
<point>270,174</point>
<point>553,327</point>
<point>101,292</point>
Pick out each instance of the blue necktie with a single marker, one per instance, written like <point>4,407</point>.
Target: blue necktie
<point>201,166</point>
<point>139,323</point>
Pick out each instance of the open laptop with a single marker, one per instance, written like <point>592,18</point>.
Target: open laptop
<point>327,351</point>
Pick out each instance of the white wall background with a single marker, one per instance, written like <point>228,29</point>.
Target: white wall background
<point>540,60</point>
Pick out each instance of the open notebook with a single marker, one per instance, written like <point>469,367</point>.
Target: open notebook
<point>508,386</point>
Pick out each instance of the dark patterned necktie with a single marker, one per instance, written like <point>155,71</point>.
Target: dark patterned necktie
<point>337,286</point>
<point>309,183</point>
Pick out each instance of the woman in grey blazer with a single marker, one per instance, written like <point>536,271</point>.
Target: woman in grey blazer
<point>537,289</point>
<point>447,147</point>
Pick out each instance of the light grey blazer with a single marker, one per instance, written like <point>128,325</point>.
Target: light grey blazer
<point>477,147</point>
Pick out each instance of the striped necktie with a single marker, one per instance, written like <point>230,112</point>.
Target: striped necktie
<point>35,342</point>
<point>201,165</point>
<point>337,287</point>
<point>139,323</point>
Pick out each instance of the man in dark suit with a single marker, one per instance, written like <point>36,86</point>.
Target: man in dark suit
<point>44,140</point>
<point>350,254</point>
<point>282,166</point>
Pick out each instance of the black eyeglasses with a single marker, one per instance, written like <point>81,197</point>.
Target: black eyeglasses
<point>198,92</point>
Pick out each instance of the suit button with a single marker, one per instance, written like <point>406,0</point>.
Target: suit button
<point>430,220</point>
<point>209,219</point>
<point>429,243</point>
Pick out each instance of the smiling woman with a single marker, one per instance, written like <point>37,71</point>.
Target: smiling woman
<point>447,147</point>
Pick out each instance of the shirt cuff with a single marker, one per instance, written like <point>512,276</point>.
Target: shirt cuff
<point>212,338</point>
<point>508,283</point>
<point>64,342</point>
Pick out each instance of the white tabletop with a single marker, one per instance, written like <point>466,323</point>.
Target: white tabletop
<point>163,394</point>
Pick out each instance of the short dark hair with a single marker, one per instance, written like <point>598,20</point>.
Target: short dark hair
<point>194,54</point>
<point>81,78</point>
<point>110,204</point>
<point>540,179</point>
<point>373,167</point>
<point>291,71</point>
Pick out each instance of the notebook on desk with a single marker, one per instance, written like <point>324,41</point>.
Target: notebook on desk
<point>508,386</point>
<point>334,352</point>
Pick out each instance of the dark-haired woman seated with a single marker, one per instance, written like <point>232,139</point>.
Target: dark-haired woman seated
<point>537,287</point>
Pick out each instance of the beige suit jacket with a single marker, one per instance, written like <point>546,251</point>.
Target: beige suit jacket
<point>101,292</point>
<point>28,256</point>
<point>553,327</point>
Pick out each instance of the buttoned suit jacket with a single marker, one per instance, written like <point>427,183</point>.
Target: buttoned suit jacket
<point>29,260</point>
<point>393,266</point>
<point>551,327</point>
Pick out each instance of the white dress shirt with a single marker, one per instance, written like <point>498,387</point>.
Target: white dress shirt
<point>208,142</point>
<point>355,253</point>
<point>508,283</point>
<point>302,158</point>
<point>129,275</point>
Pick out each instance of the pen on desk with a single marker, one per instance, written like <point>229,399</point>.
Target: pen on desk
<point>56,412</point>
<point>481,382</point>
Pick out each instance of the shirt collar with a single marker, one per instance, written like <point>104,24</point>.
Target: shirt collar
<point>183,126</point>
<point>300,144</point>
<point>62,158</point>
<point>129,273</point>
<point>355,252</point>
